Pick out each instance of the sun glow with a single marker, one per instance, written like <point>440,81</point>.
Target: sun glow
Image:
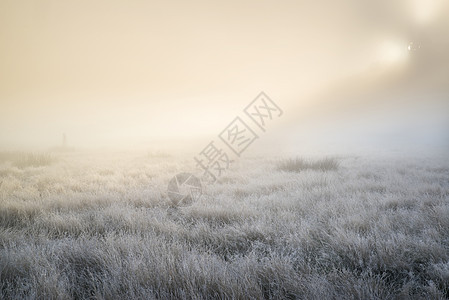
<point>393,52</point>
<point>426,10</point>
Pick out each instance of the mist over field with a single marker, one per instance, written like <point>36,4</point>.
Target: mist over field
<point>224,150</point>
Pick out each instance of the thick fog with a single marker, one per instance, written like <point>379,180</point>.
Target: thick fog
<point>115,73</point>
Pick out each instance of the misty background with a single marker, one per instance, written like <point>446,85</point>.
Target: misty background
<point>369,74</point>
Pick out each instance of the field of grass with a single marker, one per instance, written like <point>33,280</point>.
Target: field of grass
<point>87,225</point>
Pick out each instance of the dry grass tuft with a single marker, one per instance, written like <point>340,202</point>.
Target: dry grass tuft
<point>25,160</point>
<point>300,164</point>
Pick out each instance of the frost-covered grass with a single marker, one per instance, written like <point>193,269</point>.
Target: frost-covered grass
<point>299,164</point>
<point>27,159</point>
<point>98,226</point>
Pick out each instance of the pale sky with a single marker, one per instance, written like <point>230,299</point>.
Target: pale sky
<point>108,72</point>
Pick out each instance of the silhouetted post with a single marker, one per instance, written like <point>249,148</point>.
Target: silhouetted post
<point>64,141</point>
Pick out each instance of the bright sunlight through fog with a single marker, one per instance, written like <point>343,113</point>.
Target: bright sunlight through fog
<point>110,73</point>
